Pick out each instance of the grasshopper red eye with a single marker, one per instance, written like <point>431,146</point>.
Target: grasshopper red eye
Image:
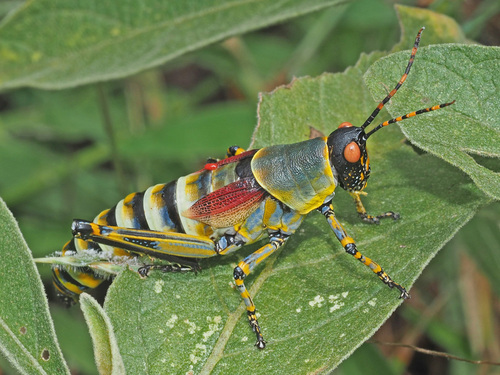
<point>345,125</point>
<point>352,153</point>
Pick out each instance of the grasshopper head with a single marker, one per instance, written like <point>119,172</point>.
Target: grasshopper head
<point>348,155</point>
<point>347,144</point>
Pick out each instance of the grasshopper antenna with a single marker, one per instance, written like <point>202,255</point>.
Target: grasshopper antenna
<point>400,83</point>
<point>393,92</point>
<point>411,114</point>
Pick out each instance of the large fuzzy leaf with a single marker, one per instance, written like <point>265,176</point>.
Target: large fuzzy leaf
<point>27,338</point>
<point>57,44</point>
<point>106,351</point>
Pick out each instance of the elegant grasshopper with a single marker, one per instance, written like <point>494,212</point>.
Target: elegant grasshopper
<point>233,202</point>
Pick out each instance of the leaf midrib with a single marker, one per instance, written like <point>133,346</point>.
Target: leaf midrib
<point>226,333</point>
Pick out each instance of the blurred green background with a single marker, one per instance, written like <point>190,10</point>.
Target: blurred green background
<point>75,152</point>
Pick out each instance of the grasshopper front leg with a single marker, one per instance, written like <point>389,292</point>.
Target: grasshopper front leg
<point>360,208</point>
<point>350,247</point>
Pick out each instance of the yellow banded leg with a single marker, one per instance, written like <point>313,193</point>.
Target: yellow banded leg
<point>243,269</point>
<point>350,247</point>
<point>364,215</point>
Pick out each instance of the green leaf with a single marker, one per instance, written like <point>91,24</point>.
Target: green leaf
<point>201,130</point>
<point>439,27</point>
<point>46,177</point>
<point>27,337</point>
<point>106,351</point>
<point>74,338</point>
<point>64,44</point>
<point>290,111</point>
<point>39,136</point>
<point>458,134</point>
<point>317,304</point>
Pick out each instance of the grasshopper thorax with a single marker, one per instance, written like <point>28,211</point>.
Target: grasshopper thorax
<point>348,156</point>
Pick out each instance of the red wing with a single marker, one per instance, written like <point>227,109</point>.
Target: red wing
<point>229,205</point>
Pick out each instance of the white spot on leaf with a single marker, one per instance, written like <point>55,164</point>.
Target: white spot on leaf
<point>159,286</point>
<point>192,328</point>
<point>337,306</point>
<point>332,298</point>
<point>198,353</point>
<point>317,301</point>
<point>214,325</point>
<point>171,322</point>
